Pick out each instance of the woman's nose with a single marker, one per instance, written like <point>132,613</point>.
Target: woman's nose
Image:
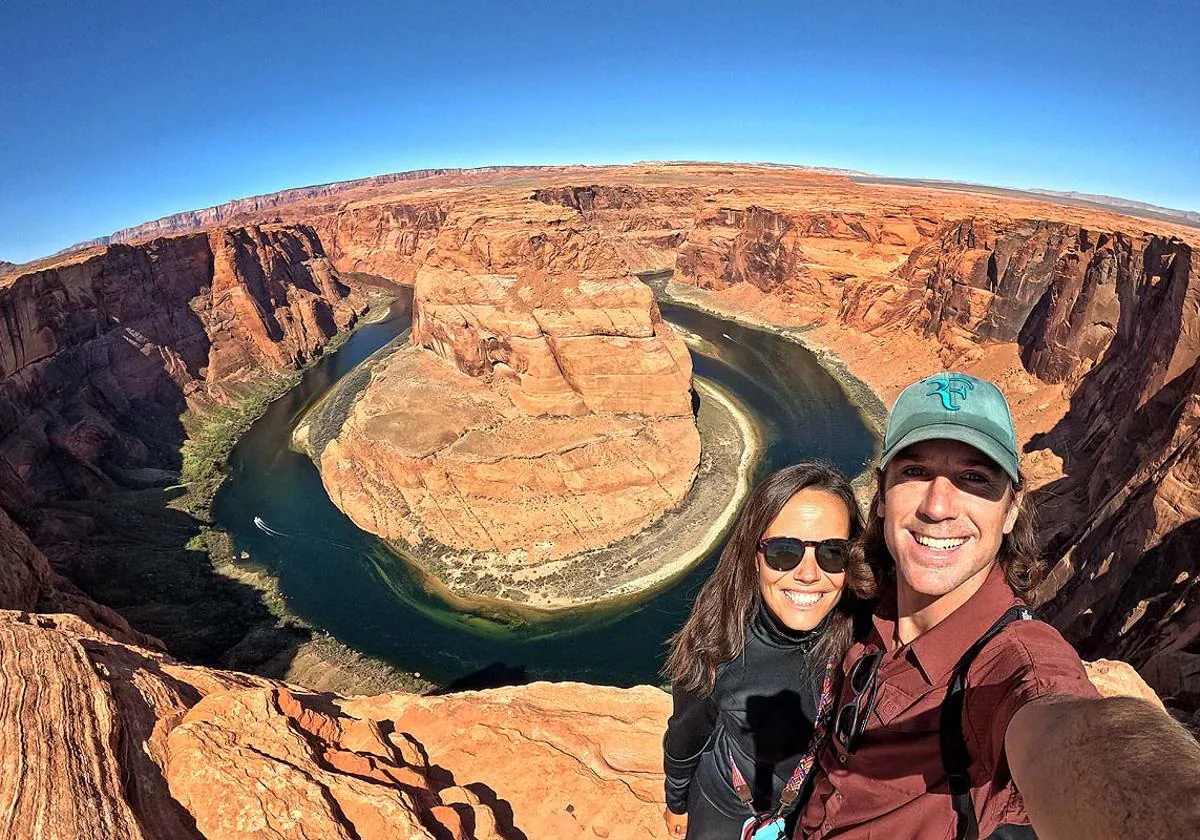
<point>808,571</point>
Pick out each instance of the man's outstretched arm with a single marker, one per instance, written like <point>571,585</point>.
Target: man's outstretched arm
<point>1104,769</point>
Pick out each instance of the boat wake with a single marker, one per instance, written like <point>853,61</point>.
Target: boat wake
<point>267,529</point>
<point>262,526</point>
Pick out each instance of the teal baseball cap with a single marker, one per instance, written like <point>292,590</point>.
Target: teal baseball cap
<point>954,406</point>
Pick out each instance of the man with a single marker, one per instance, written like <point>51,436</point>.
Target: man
<point>951,530</point>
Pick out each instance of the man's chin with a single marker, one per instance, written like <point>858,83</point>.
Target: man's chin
<point>934,580</point>
<point>930,580</point>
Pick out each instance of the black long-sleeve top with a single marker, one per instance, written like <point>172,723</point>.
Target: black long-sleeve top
<point>761,711</point>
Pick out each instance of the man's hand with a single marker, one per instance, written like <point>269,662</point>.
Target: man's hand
<point>676,824</point>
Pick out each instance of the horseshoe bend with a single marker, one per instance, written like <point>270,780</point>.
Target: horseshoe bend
<point>542,417</point>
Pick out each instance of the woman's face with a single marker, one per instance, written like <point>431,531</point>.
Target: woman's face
<point>801,598</point>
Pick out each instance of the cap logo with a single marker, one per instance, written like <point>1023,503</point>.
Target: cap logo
<point>952,390</point>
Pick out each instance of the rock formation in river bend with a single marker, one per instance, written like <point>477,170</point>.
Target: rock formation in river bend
<point>545,409</point>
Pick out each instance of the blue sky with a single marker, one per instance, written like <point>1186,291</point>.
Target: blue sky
<point>114,113</point>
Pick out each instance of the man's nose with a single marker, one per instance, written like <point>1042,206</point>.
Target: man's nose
<point>940,500</point>
<point>808,571</point>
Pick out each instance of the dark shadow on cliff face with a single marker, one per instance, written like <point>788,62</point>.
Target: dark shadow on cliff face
<point>496,675</point>
<point>1126,428</point>
<point>500,808</point>
<point>440,778</point>
<point>152,563</point>
<point>93,432</point>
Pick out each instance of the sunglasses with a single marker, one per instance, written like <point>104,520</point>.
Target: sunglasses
<point>851,720</point>
<point>785,553</point>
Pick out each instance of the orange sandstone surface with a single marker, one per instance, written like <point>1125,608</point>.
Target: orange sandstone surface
<point>103,740</point>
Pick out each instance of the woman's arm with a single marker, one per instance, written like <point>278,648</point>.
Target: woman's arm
<point>692,722</point>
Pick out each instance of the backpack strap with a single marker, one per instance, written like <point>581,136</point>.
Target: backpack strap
<point>955,759</point>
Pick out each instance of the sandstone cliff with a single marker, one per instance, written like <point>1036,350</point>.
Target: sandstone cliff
<point>103,357</point>
<point>1112,316</point>
<point>110,741</point>
<point>99,357</point>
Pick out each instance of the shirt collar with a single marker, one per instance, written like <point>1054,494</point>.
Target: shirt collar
<point>938,649</point>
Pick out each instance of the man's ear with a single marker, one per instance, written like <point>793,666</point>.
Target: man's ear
<point>1014,510</point>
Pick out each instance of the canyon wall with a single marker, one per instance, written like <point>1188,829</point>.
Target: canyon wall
<point>103,357</point>
<point>1114,318</point>
<point>1105,321</point>
<point>259,208</point>
<point>100,357</point>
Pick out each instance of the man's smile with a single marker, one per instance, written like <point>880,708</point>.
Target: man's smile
<point>946,544</point>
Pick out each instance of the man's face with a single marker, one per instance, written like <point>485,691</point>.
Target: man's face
<point>945,508</point>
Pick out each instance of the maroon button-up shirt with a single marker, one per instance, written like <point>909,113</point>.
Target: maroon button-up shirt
<point>894,786</point>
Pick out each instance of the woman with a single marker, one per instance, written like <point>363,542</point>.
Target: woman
<point>757,657</point>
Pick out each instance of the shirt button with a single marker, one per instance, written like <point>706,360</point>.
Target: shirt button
<point>838,796</point>
<point>827,827</point>
<point>842,758</point>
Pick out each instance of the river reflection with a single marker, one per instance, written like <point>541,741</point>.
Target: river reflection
<point>349,584</point>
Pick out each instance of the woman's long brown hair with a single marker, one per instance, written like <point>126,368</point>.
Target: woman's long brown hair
<point>715,632</point>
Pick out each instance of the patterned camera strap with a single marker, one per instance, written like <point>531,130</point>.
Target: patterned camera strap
<point>800,775</point>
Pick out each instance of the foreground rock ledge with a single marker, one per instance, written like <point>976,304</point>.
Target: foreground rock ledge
<point>101,740</point>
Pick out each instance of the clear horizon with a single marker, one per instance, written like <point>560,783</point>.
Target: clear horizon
<point>121,114</point>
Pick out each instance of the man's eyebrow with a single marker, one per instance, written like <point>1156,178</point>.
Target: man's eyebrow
<point>985,463</point>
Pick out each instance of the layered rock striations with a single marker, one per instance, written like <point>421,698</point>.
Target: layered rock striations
<point>544,409</point>
<point>99,357</point>
<point>103,356</point>
<point>385,239</point>
<point>110,741</point>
